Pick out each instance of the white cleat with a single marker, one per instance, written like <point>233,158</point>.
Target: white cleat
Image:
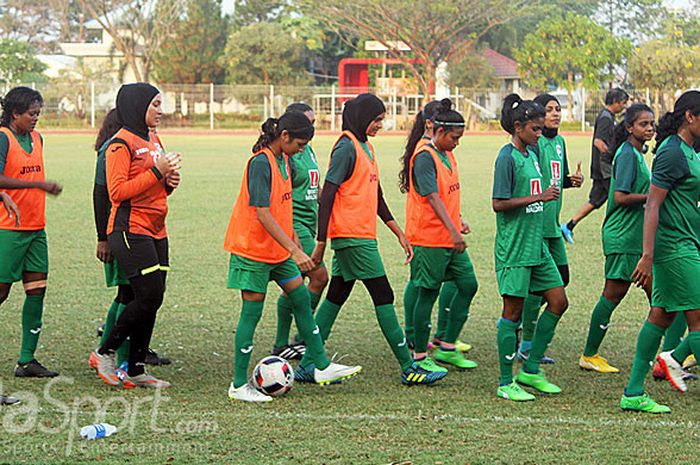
<point>247,393</point>
<point>335,372</point>
<point>673,370</point>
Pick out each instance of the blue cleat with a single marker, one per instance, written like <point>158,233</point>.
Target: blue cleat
<point>567,233</point>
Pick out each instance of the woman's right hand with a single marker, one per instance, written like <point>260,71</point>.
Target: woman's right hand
<point>317,254</point>
<point>551,193</point>
<point>104,253</point>
<point>10,206</point>
<point>459,243</point>
<point>302,260</point>
<point>168,163</point>
<point>52,187</point>
<point>642,274</point>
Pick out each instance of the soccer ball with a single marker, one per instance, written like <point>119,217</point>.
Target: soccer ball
<point>273,376</point>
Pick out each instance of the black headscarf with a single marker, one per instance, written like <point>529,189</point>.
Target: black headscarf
<point>544,99</point>
<point>360,112</point>
<point>132,103</point>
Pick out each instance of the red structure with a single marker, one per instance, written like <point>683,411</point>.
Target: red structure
<point>353,73</point>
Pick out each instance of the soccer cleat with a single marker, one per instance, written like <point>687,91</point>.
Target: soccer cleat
<point>642,403</point>
<point>152,358</point>
<point>247,393</point>
<point>290,351</point>
<point>673,371</point>
<point>8,400</point>
<point>104,366</point>
<point>537,381</point>
<point>462,346</point>
<point>144,380</point>
<point>689,362</point>
<point>522,357</point>
<point>596,363</point>
<point>33,369</point>
<point>455,358</point>
<point>429,364</point>
<point>416,374</point>
<point>334,373</point>
<point>122,371</point>
<point>514,392</point>
<point>567,233</point>
<point>657,372</point>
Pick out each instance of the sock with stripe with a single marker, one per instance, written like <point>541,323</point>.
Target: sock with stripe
<point>250,316</point>
<point>648,343</point>
<point>600,321</point>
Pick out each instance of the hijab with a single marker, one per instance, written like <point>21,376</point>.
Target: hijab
<point>544,99</point>
<point>132,103</point>
<point>360,112</point>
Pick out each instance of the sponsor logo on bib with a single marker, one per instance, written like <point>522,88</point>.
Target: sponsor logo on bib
<point>555,167</point>
<point>314,177</point>
<point>535,189</point>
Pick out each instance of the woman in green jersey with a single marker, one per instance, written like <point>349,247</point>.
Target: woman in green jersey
<point>523,263</point>
<point>670,251</point>
<point>421,134</point>
<point>622,228</point>
<point>551,152</point>
<point>306,178</point>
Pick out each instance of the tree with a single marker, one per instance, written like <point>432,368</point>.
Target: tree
<point>29,21</point>
<point>564,50</point>
<point>264,54</point>
<point>472,72</point>
<point>635,20</point>
<point>137,27</point>
<point>247,12</point>
<point>664,66</point>
<point>18,64</point>
<point>436,31</point>
<point>190,54</point>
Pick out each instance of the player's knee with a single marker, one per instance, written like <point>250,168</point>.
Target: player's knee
<point>559,304</point>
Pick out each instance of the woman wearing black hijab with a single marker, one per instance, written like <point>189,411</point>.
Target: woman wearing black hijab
<point>139,178</point>
<point>351,200</point>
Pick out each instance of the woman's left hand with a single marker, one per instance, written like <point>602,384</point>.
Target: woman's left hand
<point>406,248</point>
<point>466,229</point>
<point>577,177</point>
<point>173,179</point>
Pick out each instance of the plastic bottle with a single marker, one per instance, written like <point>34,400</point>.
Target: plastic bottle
<point>96,431</point>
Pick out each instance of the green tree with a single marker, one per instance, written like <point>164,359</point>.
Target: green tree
<point>472,71</point>
<point>264,53</point>
<point>190,53</point>
<point>435,31</point>
<point>247,12</point>
<point>18,62</point>
<point>570,51</point>
<point>664,66</point>
<point>635,20</point>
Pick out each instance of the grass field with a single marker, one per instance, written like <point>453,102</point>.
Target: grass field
<point>372,419</point>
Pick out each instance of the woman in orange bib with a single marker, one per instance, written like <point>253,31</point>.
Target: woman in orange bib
<point>434,227</point>
<point>140,176</point>
<point>264,247</point>
<point>351,200</point>
<point>23,246</point>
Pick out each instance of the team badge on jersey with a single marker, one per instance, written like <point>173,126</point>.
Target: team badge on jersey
<point>559,150</point>
<point>535,186</point>
<point>555,167</point>
<point>314,178</point>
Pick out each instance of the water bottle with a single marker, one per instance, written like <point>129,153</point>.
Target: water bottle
<point>96,431</point>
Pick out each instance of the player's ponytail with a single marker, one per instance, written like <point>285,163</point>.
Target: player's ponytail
<point>417,131</point>
<point>672,121</point>
<point>110,125</point>
<point>294,122</point>
<point>515,109</point>
<point>622,130</point>
<point>447,119</point>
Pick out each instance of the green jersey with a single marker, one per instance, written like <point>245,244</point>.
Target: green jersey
<point>623,227</point>
<point>101,165</point>
<point>676,168</point>
<point>552,160</point>
<point>305,184</point>
<point>519,232</point>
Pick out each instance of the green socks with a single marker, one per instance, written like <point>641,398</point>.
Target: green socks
<point>600,321</point>
<point>250,315</point>
<point>694,341</point>
<point>458,312</point>
<point>683,350</point>
<point>31,326</point>
<point>445,303</point>
<point>310,332</point>
<point>675,332</point>
<point>325,317</point>
<point>284,320</point>
<point>531,311</point>
<point>410,297</point>
<point>386,316</point>
<point>648,343</point>
<point>506,349</point>
<point>421,318</point>
<point>544,332</point>
<point>113,313</point>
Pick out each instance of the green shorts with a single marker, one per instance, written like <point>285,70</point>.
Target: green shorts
<point>431,266</point>
<point>521,281</point>
<point>557,249</point>
<point>114,276</point>
<point>358,262</point>
<point>620,266</point>
<point>249,275</point>
<point>676,287</point>
<point>306,238</point>
<point>22,251</point>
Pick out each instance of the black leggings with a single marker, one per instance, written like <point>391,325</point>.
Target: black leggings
<point>379,290</point>
<point>137,320</point>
